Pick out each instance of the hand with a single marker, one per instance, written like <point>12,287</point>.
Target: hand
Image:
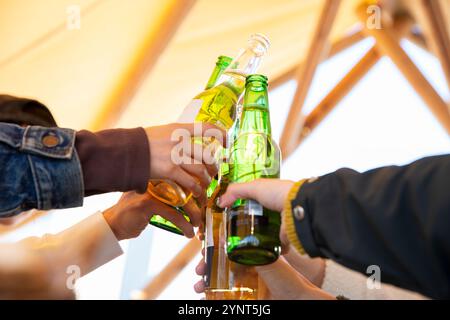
<point>271,193</point>
<point>130,216</point>
<point>285,283</point>
<point>282,280</point>
<point>171,145</point>
<point>200,270</point>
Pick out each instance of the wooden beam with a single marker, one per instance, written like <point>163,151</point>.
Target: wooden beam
<point>146,57</point>
<point>305,74</point>
<point>339,92</point>
<point>170,272</point>
<point>389,45</point>
<point>346,42</point>
<point>335,49</point>
<point>419,41</point>
<point>402,25</point>
<point>429,15</point>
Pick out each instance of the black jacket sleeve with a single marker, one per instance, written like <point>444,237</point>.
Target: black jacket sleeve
<point>397,218</point>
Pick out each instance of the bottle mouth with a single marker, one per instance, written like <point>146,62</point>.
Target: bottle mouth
<point>260,43</point>
<point>256,78</point>
<point>224,61</point>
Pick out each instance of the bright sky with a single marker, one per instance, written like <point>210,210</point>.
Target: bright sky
<point>381,122</point>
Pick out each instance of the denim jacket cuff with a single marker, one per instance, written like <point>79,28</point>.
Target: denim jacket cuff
<point>44,167</point>
<point>59,184</point>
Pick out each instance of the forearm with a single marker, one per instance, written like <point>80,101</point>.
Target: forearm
<point>393,217</point>
<point>87,245</point>
<point>341,281</point>
<point>114,160</point>
<point>54,168</point>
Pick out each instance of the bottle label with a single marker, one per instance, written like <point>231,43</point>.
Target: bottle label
<point>190,112</point>
<point>254,208</point>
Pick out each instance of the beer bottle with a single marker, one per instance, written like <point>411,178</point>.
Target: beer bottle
<point>217,106</point>
<point>253,231</point>
<point>224,279</point>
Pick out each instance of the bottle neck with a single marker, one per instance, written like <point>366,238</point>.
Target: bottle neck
<point>255,113</point>
<point>213,78</point>
<point>246,62</point>
<point>222,63</point>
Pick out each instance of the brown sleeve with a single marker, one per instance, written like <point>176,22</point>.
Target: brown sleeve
<point>114,160</point>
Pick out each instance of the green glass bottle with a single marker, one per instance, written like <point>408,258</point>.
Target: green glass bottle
<point>253,231</point>
<point>224,279</point>
<point>217,106</point>
<point>222,63</point>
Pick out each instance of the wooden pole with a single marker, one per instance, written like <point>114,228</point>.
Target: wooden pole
<point>429,15</point>
<point>305,74</point>
<point>173,268</point>
<point>153,45</point>
<point>346,42</point>
<point>389,45</point>
<point>402,24</point>
<point>336,48</point>
<point>339,92</point>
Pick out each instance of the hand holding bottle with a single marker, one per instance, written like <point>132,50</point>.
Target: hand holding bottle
<point>129,217</point>
<point>171,159</point>
<point>270,193</point>
<point>283,280</point>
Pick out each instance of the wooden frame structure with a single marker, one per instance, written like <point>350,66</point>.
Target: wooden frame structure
<point>434,38</point>
<point>299,126</point>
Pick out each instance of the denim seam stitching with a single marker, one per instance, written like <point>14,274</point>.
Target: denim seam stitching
<point>36,182</point>
<point>23,138</point>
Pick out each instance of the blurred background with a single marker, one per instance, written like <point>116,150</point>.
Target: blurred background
<point>109,63</point>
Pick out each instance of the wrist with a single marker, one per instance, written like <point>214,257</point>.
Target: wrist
<point>109,217</point>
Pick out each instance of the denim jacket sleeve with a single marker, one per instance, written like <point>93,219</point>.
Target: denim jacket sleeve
<point>39,169</point>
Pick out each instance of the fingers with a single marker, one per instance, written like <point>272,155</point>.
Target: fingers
<point>199,287</point>
<point>205,130</point>
<point>198,153</point>
<point>200,269</point>
<point>194,212</point>
<point>201,232</point>
<point>187,182</point>
<point>173,216</point>
<point>199,171</point>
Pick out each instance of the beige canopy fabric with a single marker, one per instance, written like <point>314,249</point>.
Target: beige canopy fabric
<point>77,72</point>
